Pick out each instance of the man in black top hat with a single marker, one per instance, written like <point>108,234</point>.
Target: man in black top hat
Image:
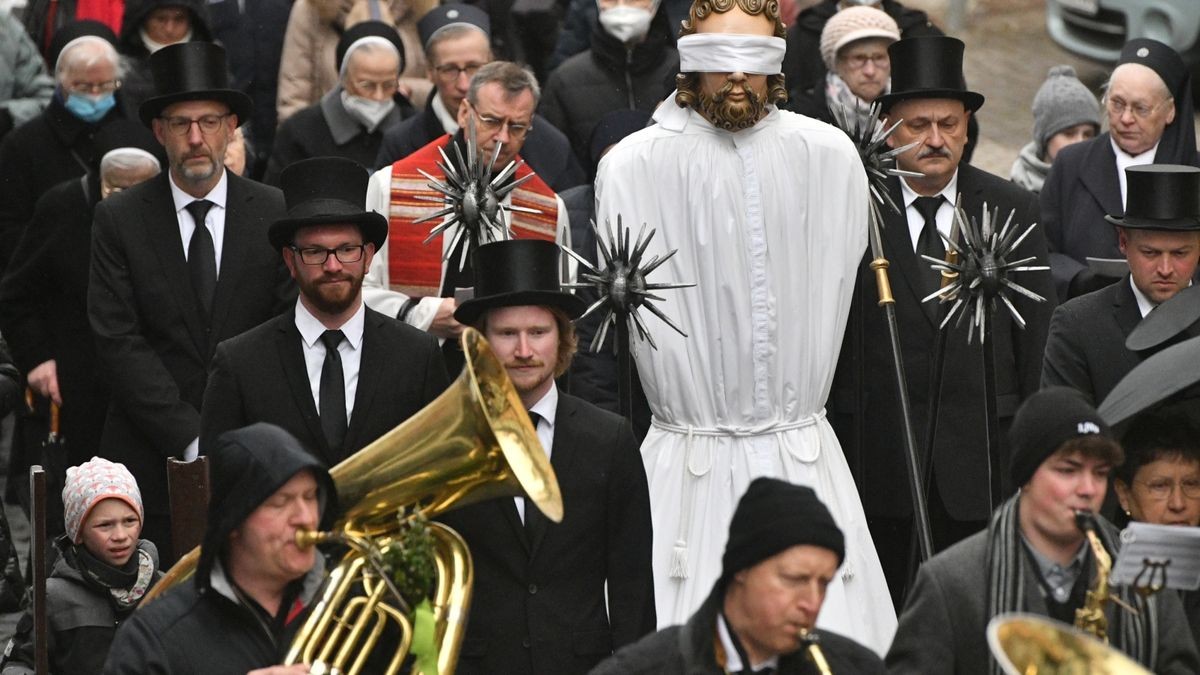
<point>540,603</point>
<point>1149,103</point>
<point>783,550</point>
<point>179,263</point>
<point>456,40</point>
<point>1159,235</point>
<point>929,96</point>
<point>350,374</point>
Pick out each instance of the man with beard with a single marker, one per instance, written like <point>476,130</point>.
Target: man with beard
<point>553,598</point>
<point>768,212</point>
<point>350,373</point>
<point>179,263</point>
<point>930,100</point>
<point>410,279</point>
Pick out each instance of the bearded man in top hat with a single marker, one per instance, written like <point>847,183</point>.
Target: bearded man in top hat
<point>930,100</point>
<point>352,373</point>
<point>553,599</point>
<point>768,212</point>
<point>1148,99</point>
<point>179,263</point>
<point>1159,235</point>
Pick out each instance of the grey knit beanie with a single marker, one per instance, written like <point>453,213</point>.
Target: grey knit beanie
<point>1061,103</point>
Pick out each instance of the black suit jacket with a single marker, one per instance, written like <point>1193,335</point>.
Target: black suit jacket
<point>1086,346</point>
<point>865,406</point>
<point>260,376</point>
<point>539,606</point>
<point>152,342</point>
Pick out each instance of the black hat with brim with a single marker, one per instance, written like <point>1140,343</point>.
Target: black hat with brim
<point>326,191</point>
<point>1170,374</point>
<point>928,67</point>
<point>1161,197</point>
<point>192,71</point>
<point>518,272</point>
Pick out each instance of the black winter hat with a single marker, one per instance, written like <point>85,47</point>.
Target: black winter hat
<point>324,191</point>
<point>773,516</point>
<point>449,14</point>
<point>1045,421</point>
<point>518,272</point>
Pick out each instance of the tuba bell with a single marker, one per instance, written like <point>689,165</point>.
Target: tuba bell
<point>474,442</point>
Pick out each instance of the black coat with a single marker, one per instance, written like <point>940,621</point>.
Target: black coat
<point>43,152</point>
<point>609,77</point>
<point>400,372</point>
<point>1081,188</point>
<point>540,607</point>
<point>802,64</point>
<point>1085,349</point>
<point>152,341</point>
<point>689,650</point>
<point>546,149</point>
<point>310,133</point>
<point>43,309</point>
<point>869,427</point>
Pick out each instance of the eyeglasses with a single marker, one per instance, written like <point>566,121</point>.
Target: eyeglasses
<point>449,71</point>
<point>315,255</point>
<point>859,61</point>
<point>368,87</point>
<point>1141,111</point>
<point>1161,488</point>
<point>105,87</point>
<point>209,124</point>
<point>490,124</point>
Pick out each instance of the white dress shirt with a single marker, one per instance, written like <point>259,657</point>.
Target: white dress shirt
<point>314,351</point>
<point>945,214</point>
<point>448,118</point>
<point>547,407</point>
<point>733,660</point>
<point>214,221</point>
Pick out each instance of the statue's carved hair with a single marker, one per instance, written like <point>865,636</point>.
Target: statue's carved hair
<point>688,84</point>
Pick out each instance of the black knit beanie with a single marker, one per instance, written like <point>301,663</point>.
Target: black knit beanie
<point>773,516</point>
<point>1044,422</point>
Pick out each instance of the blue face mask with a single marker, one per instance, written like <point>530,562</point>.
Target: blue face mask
<point>90,109</point>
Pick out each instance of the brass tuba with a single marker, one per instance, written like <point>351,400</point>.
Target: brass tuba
<point>474,442</point>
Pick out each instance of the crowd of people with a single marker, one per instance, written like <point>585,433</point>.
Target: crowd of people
<point>243,230</point>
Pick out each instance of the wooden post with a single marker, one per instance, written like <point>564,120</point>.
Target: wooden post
<point>187,486</point>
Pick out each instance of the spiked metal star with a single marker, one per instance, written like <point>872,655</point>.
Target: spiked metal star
<point>870,139</point>
<point>471,201</point>
<point>982,275</point>
<point>622,284</point>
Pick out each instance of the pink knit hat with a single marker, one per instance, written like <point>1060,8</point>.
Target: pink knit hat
<point>855,23</point>
<point>92,482</point>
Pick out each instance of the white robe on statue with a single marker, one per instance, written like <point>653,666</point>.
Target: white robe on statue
<point>770,223</point>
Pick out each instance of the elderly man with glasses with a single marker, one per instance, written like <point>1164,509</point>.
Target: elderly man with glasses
<point>410,278</point>
<point>1149,104</point>
<point>179,263</point>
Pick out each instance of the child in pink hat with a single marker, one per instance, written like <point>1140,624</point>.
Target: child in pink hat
<point>102,573</point>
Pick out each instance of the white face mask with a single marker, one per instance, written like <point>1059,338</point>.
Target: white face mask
<point>627,24</point>
<point>366,110</point>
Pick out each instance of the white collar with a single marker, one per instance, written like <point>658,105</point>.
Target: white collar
<point>448,120</point>
<point>547,406</point>
<point>219,195</point>
<point>949,192</point>
<point>1144,303</point>
<point>311,329</point>
<point>733,660</point>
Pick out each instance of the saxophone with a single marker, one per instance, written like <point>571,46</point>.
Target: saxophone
<point>1090,618</point>
<point>813,651</point>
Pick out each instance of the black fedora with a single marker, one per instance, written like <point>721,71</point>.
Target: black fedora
<point>928,67</point>
<point>192,71</point>
<point>1161,197</point>
<point>517,272</point>
<point>325,191</point>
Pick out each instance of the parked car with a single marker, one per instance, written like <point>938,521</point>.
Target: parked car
<point>1096,29</point>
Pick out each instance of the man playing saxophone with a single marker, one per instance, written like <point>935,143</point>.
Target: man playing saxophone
<point>783,551</point>
<point>254,585</point>
<point>1035,558</point>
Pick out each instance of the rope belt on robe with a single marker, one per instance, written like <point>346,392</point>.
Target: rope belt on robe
<point>698,466</point>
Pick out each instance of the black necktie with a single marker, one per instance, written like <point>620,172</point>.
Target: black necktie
<point>202,257</point>
<point>930,244</point>
<point>531,509</point>
<point>333,391</point>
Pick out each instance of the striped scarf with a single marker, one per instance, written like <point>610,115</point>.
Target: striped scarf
<point>1008,575</point>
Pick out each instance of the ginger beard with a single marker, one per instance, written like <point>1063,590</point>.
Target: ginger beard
<point>732,115</point>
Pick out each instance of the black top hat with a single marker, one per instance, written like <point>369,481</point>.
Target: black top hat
<point>451,13</point>
<point>324,191</point>
<point>928,67</point>
<point>517,272</point>
<point>1161,197</point>
<point>192,71</point>
<point>364,29</point>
